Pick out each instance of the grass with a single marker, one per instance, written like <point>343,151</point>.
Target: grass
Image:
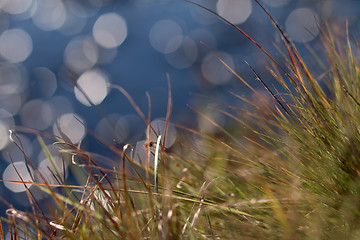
<point>286,168</point>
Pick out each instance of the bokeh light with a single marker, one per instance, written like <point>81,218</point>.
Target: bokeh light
<point>105,129</point>
<point>129,128</point>
<point>45,81</point>
<point>205,36</point>
<point>106,55</point>
<point>37,114</point>
<point>10,102</point>
<point>302,25</point>
<point>206,126</point>
<point>71,126</point>
<point>4,134</point>
<point>81,54</point>
<point>16,6</point>
<point>15,45</point>
<point>110,30</point>
<point>185,55</point>
<point>73,24</point>
<point>13,78</point>
<point>84,10</point>
<point>62,105</point>
<point>55,166</point>
<point>6,123</point>
<point>235,11</point>
<point>276,3</point>
<point>12,150</point>
<point>214,71</point>
<point>11,174</point>
<point>140,154</point>
<point>49,15</point>
<point>122,129</point>
<point>159,126</point>
<point>204,17</point>
<point>91,87</point>
<point>13,82</point>
<point>4,21</point>
<point>166,36</point>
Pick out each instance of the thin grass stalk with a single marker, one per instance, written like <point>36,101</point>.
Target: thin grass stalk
<point>37,222</point>
<point>28,192</point>
<point>49,157</point>
<point>79,213</point>
<point>127,196</point>
<point>148,144</point>
<point>240,30</point>
<point>1,231</point>
<point>156,164</point>
<point>269,90</point>
<point>168,112</point>
<point>238,77</point>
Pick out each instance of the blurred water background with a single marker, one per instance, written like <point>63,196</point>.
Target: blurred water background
<point>54,51</point>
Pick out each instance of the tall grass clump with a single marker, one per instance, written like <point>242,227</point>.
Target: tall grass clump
<point>287,167</point>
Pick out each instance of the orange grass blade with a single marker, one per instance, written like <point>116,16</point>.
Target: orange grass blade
<point>1,231</point>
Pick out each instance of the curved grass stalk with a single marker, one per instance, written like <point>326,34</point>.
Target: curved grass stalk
<point>156,164</point>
